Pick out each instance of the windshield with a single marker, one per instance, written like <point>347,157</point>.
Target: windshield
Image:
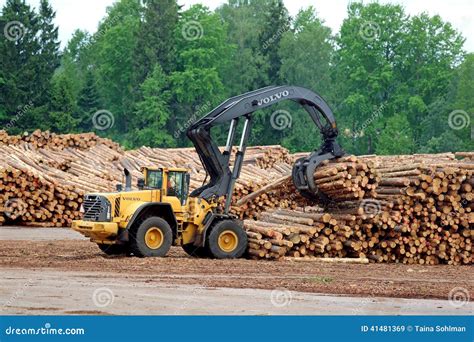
<point>154,179</point>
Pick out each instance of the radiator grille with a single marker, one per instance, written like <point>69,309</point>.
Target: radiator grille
<point>95,208</point>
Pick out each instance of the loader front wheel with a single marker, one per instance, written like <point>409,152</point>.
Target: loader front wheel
<point>227,240</point>
<point>152,238</point>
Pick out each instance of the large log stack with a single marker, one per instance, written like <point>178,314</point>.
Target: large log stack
<point>34,200</point>
<point>420,212</point>
<point>346,178</point>
<point>40,139</point>
<point>87,163</point>
<point>410,209</point>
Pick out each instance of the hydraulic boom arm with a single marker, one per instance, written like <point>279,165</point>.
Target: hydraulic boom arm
<point>217,163</point>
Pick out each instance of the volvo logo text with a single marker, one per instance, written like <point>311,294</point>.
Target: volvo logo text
<point>273,97</point>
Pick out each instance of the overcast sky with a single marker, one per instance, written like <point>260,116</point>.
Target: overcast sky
<point>85,14</point>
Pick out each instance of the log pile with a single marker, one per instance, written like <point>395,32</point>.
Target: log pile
<point>420,212</point>
<point>40,139</point>
<point>346,178</point>
<point>265,157</point>
<point>87,163</point>
<point>36,201</point>
<point>409,209</point>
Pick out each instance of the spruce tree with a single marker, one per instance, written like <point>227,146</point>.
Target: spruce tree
<point>156,43</point>
<point>276,23</point>
<point>88,102</point>
<point>19,49</point>
<point>49,48</point>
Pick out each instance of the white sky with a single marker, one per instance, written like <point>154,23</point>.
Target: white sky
<point>85,14</point>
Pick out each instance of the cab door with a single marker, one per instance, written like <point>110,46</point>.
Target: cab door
<point>176,190</point>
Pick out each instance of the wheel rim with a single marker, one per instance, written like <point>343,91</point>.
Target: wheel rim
<point>154,238</point>
<point>228,241</point>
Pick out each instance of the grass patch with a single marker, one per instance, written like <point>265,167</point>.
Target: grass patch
<point>321,279</point>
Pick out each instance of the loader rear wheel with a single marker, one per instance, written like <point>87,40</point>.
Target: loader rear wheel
<point>227,240</point>
<point>112,249</point>
<point>152,238</point>
<point>196,252</point>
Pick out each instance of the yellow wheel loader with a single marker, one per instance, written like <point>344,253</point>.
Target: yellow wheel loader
<point>162,212</point>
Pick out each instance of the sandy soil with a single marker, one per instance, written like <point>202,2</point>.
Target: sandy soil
<point>49,291</point>
<point>72,257</point>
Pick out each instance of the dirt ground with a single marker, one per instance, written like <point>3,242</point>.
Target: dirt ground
<point>59,251</point>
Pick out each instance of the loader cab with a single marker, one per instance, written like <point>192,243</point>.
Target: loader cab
<point>173,184</point>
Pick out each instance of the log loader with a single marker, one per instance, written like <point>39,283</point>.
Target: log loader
<point>161,213</point>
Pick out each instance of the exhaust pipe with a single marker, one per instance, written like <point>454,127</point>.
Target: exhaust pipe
<point>128,180</point>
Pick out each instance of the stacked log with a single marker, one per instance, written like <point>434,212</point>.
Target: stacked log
<point>40,139</point>
<point>36,201</point>
<point>87,163</point>
<point>314,233</point>
<point>410,209</point>
<point>420,212</point>
<point>346,178</point>
<point>266,157</point>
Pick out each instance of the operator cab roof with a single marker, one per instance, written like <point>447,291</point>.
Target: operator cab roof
<point>165,169</point>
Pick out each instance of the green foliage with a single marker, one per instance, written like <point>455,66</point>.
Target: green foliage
<point>29,55</point>
<point>88,102</point>
<point>446,142</point>
<point>155,37</point>
<point>62,105</point>
<point>113,49</point>
<point>203,57</point>
<point>49,47</point>
<point>276,23</point>
<point>392,80</point>
<point>306,52</point>
<point>396,137</point>
<point>248,68</point>
<point>407,63</point>
<point>152,113</point>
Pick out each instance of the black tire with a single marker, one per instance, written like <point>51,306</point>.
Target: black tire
<point>138,245</point>
<point>112,249</point>
<point>236,231</point>
<point>196,252</point>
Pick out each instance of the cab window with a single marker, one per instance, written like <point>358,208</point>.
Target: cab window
<point>175,184</point>
<point>154,179</point>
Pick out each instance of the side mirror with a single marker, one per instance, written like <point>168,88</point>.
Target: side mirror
<point>118,187</point>
<point>140,183</point>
